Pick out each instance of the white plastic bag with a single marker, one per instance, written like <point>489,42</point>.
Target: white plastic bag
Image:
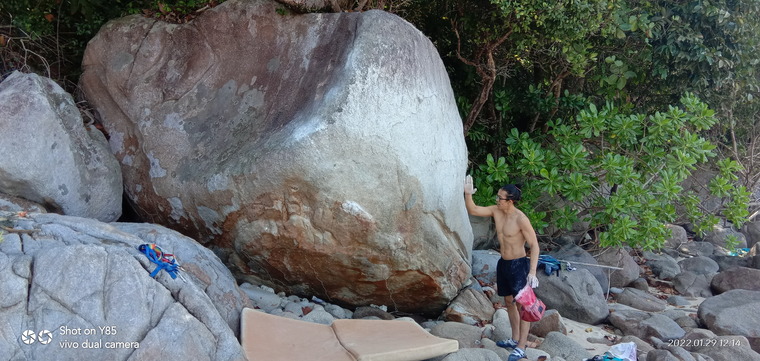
<point>625,351</point>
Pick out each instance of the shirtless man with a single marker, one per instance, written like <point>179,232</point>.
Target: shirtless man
<point>514,270</point>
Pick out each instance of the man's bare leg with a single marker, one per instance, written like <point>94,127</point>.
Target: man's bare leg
<point>520,328</point>
<point>522,342</point>
<point>514,318</point>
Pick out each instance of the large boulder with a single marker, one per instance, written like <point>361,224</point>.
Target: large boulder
<point>575,294</point>
<point>678,236</point>
<point>720,237</point>
<point>736,278</point>
<point>735,312</point>
<point>88,285</point>
<point>645,325</point>
<point>692,284</point>
<point>640,300</point>
<point>572,253</point>
<point>662,265</point>
<point>719,348</point>
<point>471,307</point>
<point>319,154</point>
<point>751,232</point>
<point>618,257</point>
<point>49,156</point>
<point>560,345</point>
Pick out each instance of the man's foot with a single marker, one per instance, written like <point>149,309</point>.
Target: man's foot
<point>508,343</point>
<point>517,354</point>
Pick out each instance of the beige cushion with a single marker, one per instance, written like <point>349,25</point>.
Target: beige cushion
<point>272,338</point>
<point>382,340</point>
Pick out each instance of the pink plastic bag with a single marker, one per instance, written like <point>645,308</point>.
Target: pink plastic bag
<point>532,308</point>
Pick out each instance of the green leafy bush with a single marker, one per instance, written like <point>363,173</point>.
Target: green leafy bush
<point>616,172</point>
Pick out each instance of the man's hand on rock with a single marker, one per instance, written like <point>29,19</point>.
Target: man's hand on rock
<point>468,187</point>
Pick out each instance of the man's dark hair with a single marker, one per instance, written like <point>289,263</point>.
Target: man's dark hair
<point>513,192</point>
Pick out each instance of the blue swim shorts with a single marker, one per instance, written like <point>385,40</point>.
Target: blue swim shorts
<point>512,275</point>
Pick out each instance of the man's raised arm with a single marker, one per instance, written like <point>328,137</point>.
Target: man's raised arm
<point>473,208</point>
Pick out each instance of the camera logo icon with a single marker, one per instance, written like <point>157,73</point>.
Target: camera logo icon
<point>29,337</point>
<point>45,337</point>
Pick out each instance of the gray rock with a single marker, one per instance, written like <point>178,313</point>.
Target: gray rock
<point>640,300</point>
<point>640,284</point>
<point>663,266</point>
<point>662,355</point>
<point>10,203</point>
<point>74,275</point>
<point>319,316</point>
<point>573,253</point>
<point>574,294</point>
<point>642,347</point>
<point>536,354</point>
<point>484,233</point>
<point>484,265</point>
<point>558,345</point>
<point>471,306</point>
<point>719,236</point>
<point>751,231</point>
<point>552,321</point>
<point>489,344</point>
<point>262,299</point>
<point>74,172</point>
<point>467,335</point>
<point>295,308</point>
<point>693,285</point>
<point>619,257</point>
<point>736,278</point>
<point>700,265</point>
<point>687,323</point>
<point>726,262</point>
<point>719,348</point>
<point>338,312</point>
<point>734,312</point>
<point>645,325</point>
<point>677,300</point>
<point>697,248</point>
<point>472,354</point>
<point>281,142</point>
<point>368,311</point>
<point>503,329</point>
<point>677,237</point>
<point>674,313</point>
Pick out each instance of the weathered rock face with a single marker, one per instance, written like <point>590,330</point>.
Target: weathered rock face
<point>734,312</point>
<point>575,294</point>
<point>619,257</point>
<point>322,154</point>
<point>49,157</point>
<point>86,283</point>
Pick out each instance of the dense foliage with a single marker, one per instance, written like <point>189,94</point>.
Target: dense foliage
<point>616,172</point>
<point>49,36</point>
<point>529,76</point>
<point>601,108</point>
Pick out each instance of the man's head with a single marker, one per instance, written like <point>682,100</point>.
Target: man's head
<point>509,192</point>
